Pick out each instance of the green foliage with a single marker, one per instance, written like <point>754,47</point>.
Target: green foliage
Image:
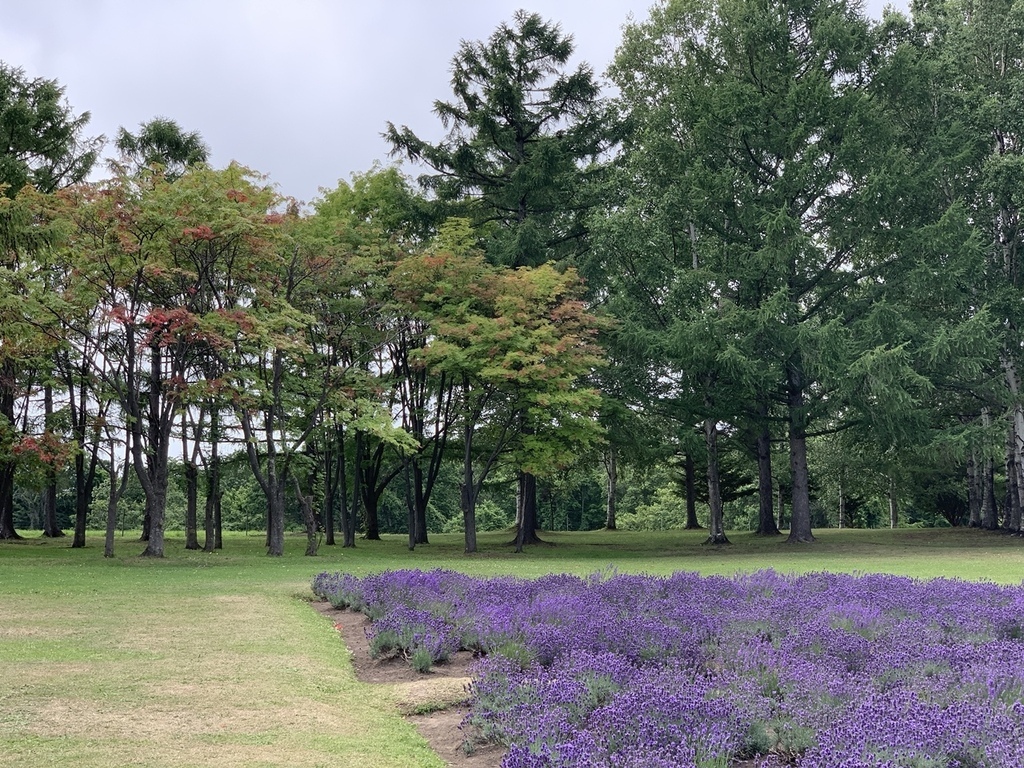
<point>665,511</point>
<point>421,660</point>
<point>42,143</point>
<point>161,142</point>
<point>523,138</point>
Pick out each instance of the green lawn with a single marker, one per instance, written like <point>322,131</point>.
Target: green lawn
<point>217,660</point>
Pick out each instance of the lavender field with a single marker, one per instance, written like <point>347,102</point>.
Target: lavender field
<point>763,669</point>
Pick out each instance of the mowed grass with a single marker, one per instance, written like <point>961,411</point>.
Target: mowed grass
<point>218,659</point>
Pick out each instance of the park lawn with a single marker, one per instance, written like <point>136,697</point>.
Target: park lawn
<point>217,659</point>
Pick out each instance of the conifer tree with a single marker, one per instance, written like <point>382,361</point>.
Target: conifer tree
<point>520,156</point>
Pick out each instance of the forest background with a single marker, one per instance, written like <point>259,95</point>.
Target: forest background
<point>773,281</point>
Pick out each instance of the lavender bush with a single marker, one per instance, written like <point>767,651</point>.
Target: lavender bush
<point>815,671</point>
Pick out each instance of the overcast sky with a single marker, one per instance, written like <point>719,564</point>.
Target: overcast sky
<point>298,90</point>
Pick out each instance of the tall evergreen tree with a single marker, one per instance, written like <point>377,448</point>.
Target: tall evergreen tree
<point>42,142</point>
<point>753,139</point>
<point>520,156</point>
<point>161,141</point>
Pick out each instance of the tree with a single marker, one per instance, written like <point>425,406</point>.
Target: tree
<point>364,228</point>
<point>968,56</point>
<point>522,135</point>
<point>520,156</point>
<point>753,138</point>
<point>42,142</point>
<point>25,350</point>
<point>160,142</point>
<point>517,344</point>
<point>151,253</point>
<point>41,146</point>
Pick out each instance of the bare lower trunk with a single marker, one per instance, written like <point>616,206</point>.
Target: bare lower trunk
<point>612,470</point>
<point>330,489</point>
<point>108,540</point>
<point>716,522</point>
<point>975,490</point>
<point>7,378</point>
<point>85,475</point>
<point>114,494</point>
<point>420,494</point>
<point>410,505</point>
<point>49,495</point>
<point>191,505</point>
<point>782,506</point>
<point>1011,509</point>
<point>7,501</point>
<point>275,522</point>
<point>989,511</point>
<point>363,491</point>
<point>800,515</point>
<point>526,533</point>
<point>157,510</point>
<point>842,507</point>
<point>990,508</point>
<point>348,525</point>
<point>212,486</point>
<point>468,494</point>
<point>82,485</point>
<point>894,512</point>
<point>765,496</point>
<point>1016,440</point>
<point>308,519</point>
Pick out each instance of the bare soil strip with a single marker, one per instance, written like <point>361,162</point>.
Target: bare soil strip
<point>434,702</point>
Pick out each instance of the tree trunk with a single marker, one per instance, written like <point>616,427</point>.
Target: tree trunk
<point>218,520</point>
<point>275,507</point>
<point>191,505</point>
<point>800,515</point>
<point>842,507</point>
<point>330,491</point>
<point>364,491</point>
<point>7,501</point>
<point>49,495</point>
<point>108,539</point>
<point>308,519</point>
<point>420,495</point>
<point>989,508</point>
<point>766,502</point>
<point>157,507</point>
<point>468,494</point>
<point>690,470</point>
<point>7,465</point>
<point>975,490</point>
<point>371,512</point>
<point>782,506</point>
<point>81,500</point>
<point>612,471</point>
<point>153,473</point>
<point>1016,442</point>
<point>85,477</point>
<point>1011,509</point>
<point>410,504</point>
<point>716,523</point>
<point>893,504</point>
<point>114,494</point>
<point>191,487</point>
<point>526,533</point>
<point>212,483</point>
<point>348,526</point>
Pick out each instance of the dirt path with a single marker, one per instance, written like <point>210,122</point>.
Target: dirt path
<point>433,702</point>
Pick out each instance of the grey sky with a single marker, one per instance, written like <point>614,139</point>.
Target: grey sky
<point>298,90</point>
